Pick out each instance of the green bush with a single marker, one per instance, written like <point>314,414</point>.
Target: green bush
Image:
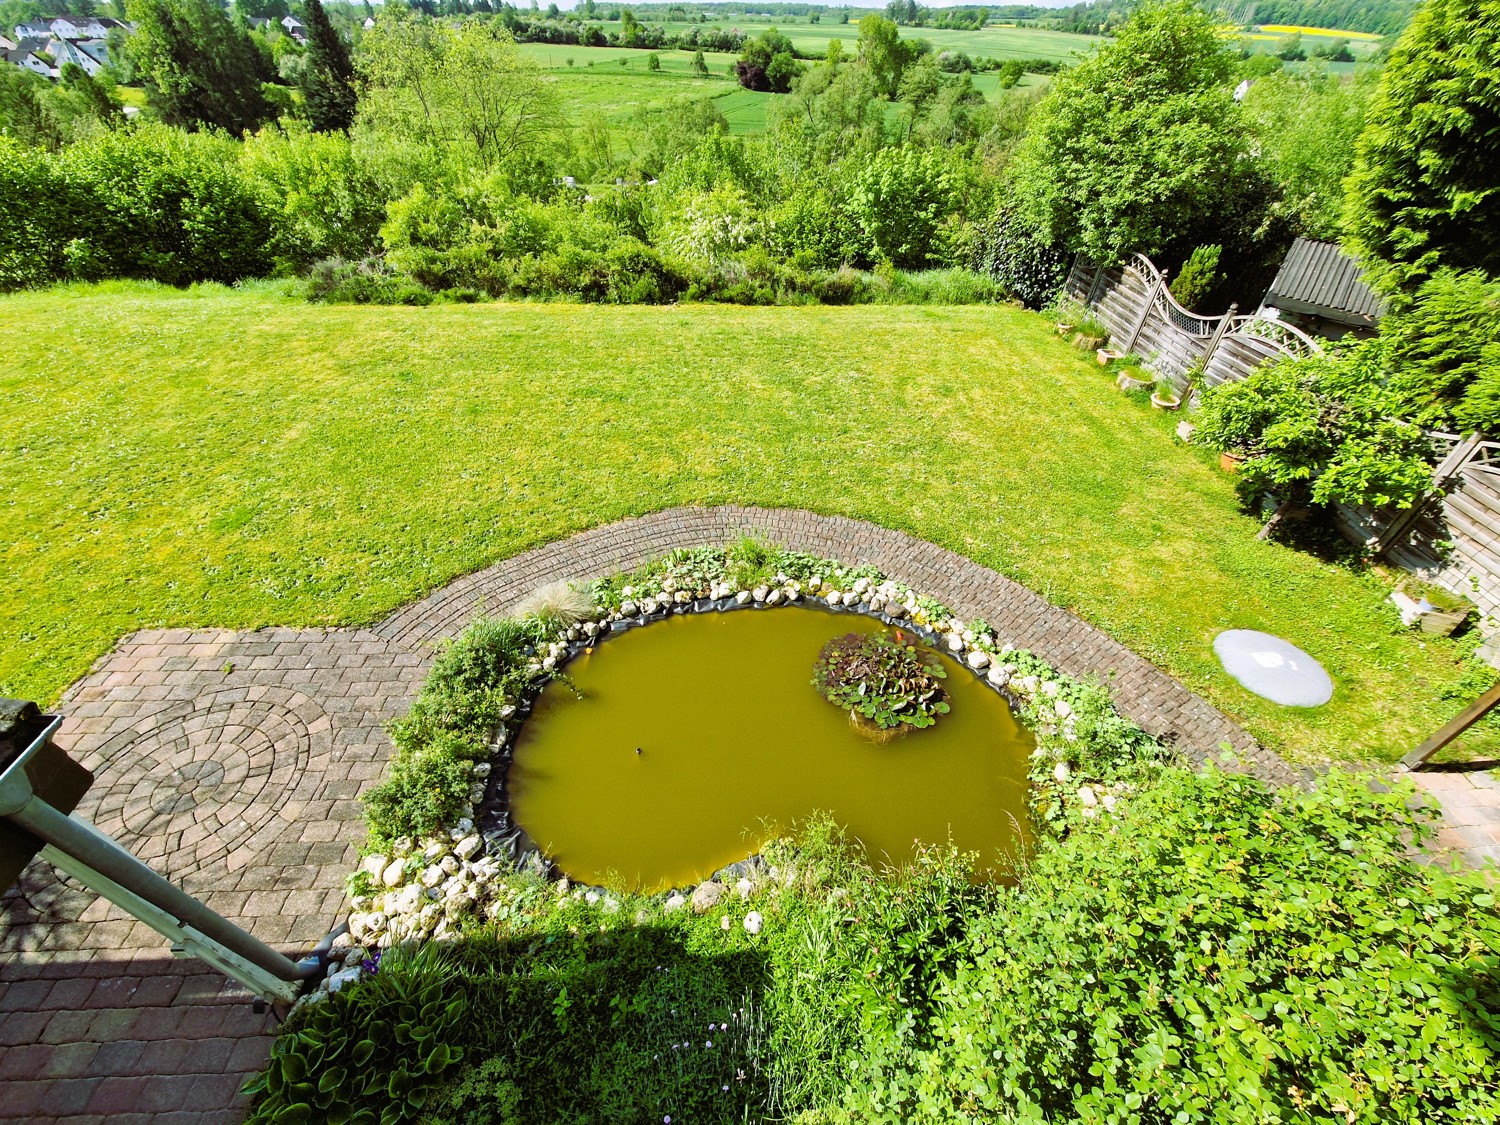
<point>1019,258</point>
<point>901,197</point>
<point>41,213</point>
<point>374,1051</point>
<point>423,793</point>
<point>1227,955</point>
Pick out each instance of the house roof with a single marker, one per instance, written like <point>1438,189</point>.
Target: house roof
<point>1319,279</point>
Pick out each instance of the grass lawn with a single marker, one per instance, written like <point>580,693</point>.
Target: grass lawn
<point>227,458</point>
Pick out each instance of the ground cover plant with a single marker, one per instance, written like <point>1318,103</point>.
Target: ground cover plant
<point>237,460</point>
<point>887,682</point>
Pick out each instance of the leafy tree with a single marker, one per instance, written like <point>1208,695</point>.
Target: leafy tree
<point>653,61</point>
<point>1135,146</point>
<point>1306,129</point>
<point>883,52</point>
<point>1010,73</point>
<point>901,197</point>
<point>1425,190</point>
<point>328,76</point>
<point>768,62</point>
<point>466,95</point>
<point>700,67</point>
<point>1290,49</point>
<point>199,69</point>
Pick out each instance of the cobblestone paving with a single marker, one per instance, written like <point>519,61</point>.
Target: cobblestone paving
<point>232,762</point>
<point>1470,800</point>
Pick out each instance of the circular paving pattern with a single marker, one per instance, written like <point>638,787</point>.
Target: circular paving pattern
<point>201,778</point>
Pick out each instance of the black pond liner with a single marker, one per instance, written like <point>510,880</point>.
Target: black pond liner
<point>503,837</point>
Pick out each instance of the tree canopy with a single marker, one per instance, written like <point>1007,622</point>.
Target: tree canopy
<point>1425,190</point>
<point>1138,145</point>
<point>328,77</point>
<point>199,68</point>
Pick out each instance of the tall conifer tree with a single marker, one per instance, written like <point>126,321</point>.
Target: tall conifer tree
<point>328,79</point>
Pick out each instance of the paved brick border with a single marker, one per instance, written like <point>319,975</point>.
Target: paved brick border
<point>1142,691</point>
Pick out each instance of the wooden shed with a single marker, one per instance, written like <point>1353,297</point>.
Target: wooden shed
<point>1322,290</point>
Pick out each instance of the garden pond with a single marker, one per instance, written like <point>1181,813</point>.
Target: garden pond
<point>696,737</point>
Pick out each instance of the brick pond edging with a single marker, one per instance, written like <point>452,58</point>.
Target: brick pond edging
<point>1145,693</point>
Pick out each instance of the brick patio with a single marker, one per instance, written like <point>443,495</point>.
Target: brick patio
<point>234,761</point>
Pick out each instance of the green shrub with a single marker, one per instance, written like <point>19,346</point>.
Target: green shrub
<point>1198,275</point>
<point>373,1051</point>
<point>1019,258</point>
<point>1227,954</point>
<point>40,217</point>
<point>169,206</point>
<point>423,793</point>
<point>901,197</point>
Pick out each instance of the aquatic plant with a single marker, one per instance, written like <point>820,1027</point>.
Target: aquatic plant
<point>882,680</point>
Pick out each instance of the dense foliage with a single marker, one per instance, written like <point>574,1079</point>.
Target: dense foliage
<point>328,77</point>
<point>1323,428</point>
<point>200,69</point>
<point>884,680</point>
<point>1141,143</point>
<point>1425,187</point>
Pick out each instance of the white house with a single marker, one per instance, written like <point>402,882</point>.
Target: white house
<point>65,52</point>
<point>294,28</point>
<point>81,27</point>
<point>37,29</point>
<point>28,60</point>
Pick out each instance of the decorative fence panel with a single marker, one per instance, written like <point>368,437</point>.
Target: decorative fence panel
<point>1135,305</point>
<point>1455,538</point>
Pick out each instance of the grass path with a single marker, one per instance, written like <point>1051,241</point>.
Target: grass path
<point>238,459</point>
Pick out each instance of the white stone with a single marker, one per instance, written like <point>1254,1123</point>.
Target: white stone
<point>591,629</point>
<point>628,591</point>
<point>682,597</point>
<point>468,847</point>
<point>481,769</point>
<point>977,660</point>
<point>761,592</point>
<point>744,888</point>
<point>394,872</point>
<point>629,609</point>
<point>591,897</point>
<point>753,922</point>
<point>1090,811</point>
<point>793,594</point>
<point>861,585</point>
<point>402,845</point>
<point>1061,772</point>
<point>775,597</point>
<point>742,597</point>
<point>1108,801</point>
<point>851,598</point>
<point>724,923</point>
<point>1051,688</point>
<point>833,596</point>
<point>374,865</point>
<point>999,675</point>
<point>896,610</point>
<point>673,904</point>
<point>449,864</point>
<point>462,828</point>
<point>1087,796</point>
<point>707,896</point>
<point>1063,708</point>
<point>476,793</point>
<point>954,641</point>
<point>432,876</point>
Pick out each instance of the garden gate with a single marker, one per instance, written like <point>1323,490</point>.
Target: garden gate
<point>1143,317</point>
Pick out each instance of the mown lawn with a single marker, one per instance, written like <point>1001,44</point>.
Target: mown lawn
<point>239,459</point>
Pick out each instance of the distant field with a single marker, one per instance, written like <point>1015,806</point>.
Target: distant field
<point>614,81</point>
<point>992,42</point>
<point>1320,32</point>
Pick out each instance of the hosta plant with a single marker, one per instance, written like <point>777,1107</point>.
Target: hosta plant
<point>886,684</point>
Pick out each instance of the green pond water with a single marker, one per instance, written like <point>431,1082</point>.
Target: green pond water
<point>734,741</point>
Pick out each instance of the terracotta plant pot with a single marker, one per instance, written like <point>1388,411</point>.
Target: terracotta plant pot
<point>1231,462</point>
<point>1165,402</point>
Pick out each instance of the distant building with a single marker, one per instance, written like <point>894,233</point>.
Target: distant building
<point>294,28</point>
<point>66,52</point>
<point>29,60</point>
<point>1322,290</point>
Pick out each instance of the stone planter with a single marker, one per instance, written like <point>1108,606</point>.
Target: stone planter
<point>1106,356</point>
<point>1088,343</point>
<point>1432,620</point>
<point>1165,402</point>
<point>1185,431</point>
<point>1129,382</point>
<point>1064,328</point>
